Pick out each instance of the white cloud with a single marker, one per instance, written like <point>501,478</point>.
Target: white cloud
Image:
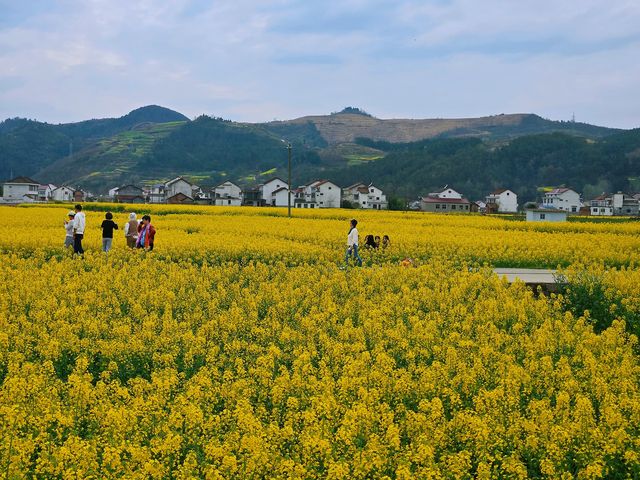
<point>252,61</point>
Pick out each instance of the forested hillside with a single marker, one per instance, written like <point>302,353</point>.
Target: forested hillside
<point>524,165</point>
<point>521,151</point>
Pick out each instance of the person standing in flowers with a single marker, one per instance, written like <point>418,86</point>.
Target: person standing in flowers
<point>108,226</point>
<point>68,226</point>
<point>146,234</point>
<point>131,230</point>
<point>352,244</point>
<point>79,224</point>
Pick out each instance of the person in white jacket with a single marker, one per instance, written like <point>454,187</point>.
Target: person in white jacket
<point>79,224</point>
<point>352,244</point>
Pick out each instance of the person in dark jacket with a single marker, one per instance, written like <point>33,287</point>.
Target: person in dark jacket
<point>108,226</point>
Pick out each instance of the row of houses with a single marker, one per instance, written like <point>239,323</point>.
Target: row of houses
<point>561,200</point>
<point>450,200</point>
<point>274,192</point>
<point>27,190</point>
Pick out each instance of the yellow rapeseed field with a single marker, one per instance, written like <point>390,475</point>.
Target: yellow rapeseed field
<point>240,348</point>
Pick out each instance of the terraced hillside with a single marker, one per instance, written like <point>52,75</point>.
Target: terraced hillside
<point>113,160</point>
<point>347,127</point>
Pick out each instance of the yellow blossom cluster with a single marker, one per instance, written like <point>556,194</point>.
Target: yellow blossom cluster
<point>240,349</point>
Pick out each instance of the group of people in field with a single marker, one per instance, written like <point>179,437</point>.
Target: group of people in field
<point>138,234</point>
<point>370,242</point>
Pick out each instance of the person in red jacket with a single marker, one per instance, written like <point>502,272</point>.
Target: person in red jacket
<point>146,234</point>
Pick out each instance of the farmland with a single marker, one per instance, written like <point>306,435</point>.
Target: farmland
<point>239,348</point>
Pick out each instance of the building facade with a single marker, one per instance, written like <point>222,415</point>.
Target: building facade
<point>446,200</point>
<point>546,215</point>
<point>226,194</point>
<point>176,186</point>
<point>130,194</point>
<point>564,199</point>
<point>20,189</point>
<point>267,189</point>
<point>360,195</point>
<point>502,201</point>
<point>62,194</point>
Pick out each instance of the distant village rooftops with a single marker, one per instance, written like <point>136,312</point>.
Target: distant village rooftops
<point>431,199</point>
<point>24,180</point>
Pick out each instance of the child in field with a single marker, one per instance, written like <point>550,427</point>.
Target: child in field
<point>352,244</point>
<point>386,241</point>
<point>68,226</point>
<point>108,226</point>
<point>146,234</point>
<point>369,242</point>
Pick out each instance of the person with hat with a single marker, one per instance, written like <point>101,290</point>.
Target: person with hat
<point>68,226</point>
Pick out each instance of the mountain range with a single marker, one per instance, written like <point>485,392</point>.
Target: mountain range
<point>406,157</point>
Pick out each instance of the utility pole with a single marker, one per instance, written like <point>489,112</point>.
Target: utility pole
<point>289,180</point>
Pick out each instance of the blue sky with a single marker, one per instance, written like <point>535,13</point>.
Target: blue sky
<point>250,60</point>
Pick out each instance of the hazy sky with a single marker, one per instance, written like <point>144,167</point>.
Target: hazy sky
<point>250,60</point>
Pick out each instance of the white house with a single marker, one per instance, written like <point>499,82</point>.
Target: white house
<point>624,204</point>
<point>546,215</point>
<point>227,194</point>
<point>113,192</point>
<point>63,194</point>
<point>157,193</point>
<point>279,197</point>
<point>601,206</point>
<point>446,192</point>
<point>20,189</point>
<point>480,206</point>
<point>502,201</point>
<point>444,201</point>
<point>365,196</point>
<point>45,191</point>
<point>327,194</point>
<point>269,187</point>
<point>176,186</point>
<point>562,199</point>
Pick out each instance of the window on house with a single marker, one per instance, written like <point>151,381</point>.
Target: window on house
<point>574,209</point>
<point>437,206</point>
<point>542,216</point>
<point>453,207</point>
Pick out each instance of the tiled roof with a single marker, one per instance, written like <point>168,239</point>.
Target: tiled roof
<point>559,190</point>
<point>463,201</point>
<point>24,180</point>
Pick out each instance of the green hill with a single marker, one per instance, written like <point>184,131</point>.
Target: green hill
<point>28,147</point>
<point>407,157</point>
<point>351,124</point>
<point>524,164</point>
<point>109,161</point>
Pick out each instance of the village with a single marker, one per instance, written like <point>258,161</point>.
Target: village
<point>556,203</point>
